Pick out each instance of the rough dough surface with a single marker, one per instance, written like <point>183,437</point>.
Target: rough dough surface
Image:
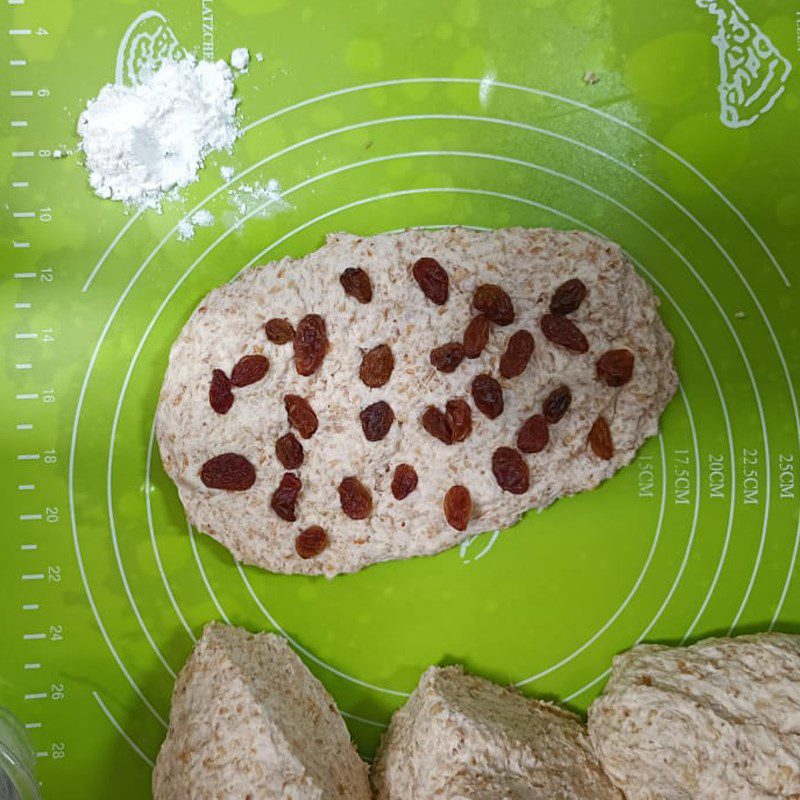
<point>249,720</point>
<point>719,719</point>
<point>619,311</point>
<point>460,736</point>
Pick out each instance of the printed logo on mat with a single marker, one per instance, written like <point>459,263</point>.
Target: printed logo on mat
<point>753,73</point>
<point>148,42</point>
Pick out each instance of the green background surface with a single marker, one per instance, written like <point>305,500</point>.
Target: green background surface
<point>374,116</point>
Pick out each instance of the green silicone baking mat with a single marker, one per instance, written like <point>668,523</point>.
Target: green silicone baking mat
<point>671,127</point>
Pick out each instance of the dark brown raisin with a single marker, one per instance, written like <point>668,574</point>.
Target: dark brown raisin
<point>458,507</point>
<point>432,279</point>
<point>435,422</point>
<point>447,357</point>
<point>534,434</point>
<point>493,301</point>
<point>377,366</point>
<point>556,404</point>
<point>311,542</point>
<point>220,395</point>
<point>568,297</point>
<point>476,336</point>
<point>615,367</point>
<point>517,355</point>
<point>228,471</point>
<point>279,331</point>
<point>563,331</point>
<point>487,395</point>
<point>284,498</point>
<point>355,498</point>
<point>459,419</point>
<point>357,284</point>
<point>289,451</point>
<point>404,481</point>
<point>376,420</point>
<point>310,344</point>
<point>249,369</point>
<point>301,415</point>
<point>600,439</point>
<point>510,470</point>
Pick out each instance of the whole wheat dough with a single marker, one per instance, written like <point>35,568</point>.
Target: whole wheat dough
<point>719,719</point>
<point>460,736</point>
<point>619,311</point>
<point>249,720</point>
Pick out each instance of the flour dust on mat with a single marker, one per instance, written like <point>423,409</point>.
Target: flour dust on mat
<point>143,141</point>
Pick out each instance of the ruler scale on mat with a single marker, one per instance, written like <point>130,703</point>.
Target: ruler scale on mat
<point>673,132</point>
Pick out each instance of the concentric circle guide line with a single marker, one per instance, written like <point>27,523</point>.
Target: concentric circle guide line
<point>275,244</point>
<point>151,529</point>
<point>686,554</point>
<point>198,561</point>
<point>721,395</point>
<point>110,247</point>
<point>121,731</point>
<point>124,576</point>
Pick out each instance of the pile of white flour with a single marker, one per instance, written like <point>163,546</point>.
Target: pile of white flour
<point>141,141</point>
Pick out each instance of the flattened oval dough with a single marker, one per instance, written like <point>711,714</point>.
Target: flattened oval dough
<point>619,311</point>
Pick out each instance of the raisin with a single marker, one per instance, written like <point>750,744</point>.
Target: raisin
<point>357,284</point>
<point>219,392</point>
<point>453,425</point>
<point>534,434</point>
<point>376,420</point>
<point>310,344</point>
<point>279,331</point>
<point>432,279</point>
<point>435,422</point>
<point>249,369</point>
<point>615,367</point>
<point>560,330</point>
<point>228,471</point>
<point>459,419</point>
<point>476,336</point>
<point>377,366</point>
<point>557,403</point>
<point>404,481</point>
<point>568,297</point>
<point>510,470</point>
<point>311,542</point>
<point>488,396</point>
<point>301,415</point>
<point>458,507</point>
<point>284,498</point>
<point>495,303</point>
<point>600,439</point>
<point>447,357</point>
<point>289,451</point>
<point>517,355</point>
<point>355,498</point>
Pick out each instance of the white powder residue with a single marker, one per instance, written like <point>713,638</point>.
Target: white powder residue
<point>141,141</point>
<point>226,172</point>
<point>247,197</point>
<point>201,219</point>
<point>259,57</point>
<point>240,58</point>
